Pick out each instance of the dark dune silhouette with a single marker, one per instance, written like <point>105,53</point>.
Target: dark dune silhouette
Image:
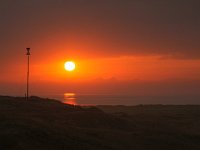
<point>49,124</point>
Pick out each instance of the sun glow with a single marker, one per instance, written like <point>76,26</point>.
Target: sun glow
<point>70,98</point>
<point>70,66</point>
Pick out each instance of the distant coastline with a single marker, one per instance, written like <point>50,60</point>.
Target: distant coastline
<point>127,100</point>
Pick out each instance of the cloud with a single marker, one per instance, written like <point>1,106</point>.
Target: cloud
<point>106,27</point>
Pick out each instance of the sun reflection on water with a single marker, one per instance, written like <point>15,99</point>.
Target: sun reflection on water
<point>70,98</point>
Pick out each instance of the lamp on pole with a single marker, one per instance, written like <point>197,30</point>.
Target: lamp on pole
<point>27,85</point>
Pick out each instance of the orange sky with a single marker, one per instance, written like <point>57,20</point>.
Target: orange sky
<point>147,68</point>
<point>138,47</point>
<point>121,68</point>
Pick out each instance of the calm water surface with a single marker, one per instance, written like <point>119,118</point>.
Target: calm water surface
<point>75,99</point>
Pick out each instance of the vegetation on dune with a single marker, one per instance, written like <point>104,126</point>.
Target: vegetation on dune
<point>48,124</point>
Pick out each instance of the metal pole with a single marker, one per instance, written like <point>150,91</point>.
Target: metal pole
<point>27,88</point>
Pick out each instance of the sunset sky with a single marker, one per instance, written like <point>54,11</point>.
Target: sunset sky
<point>134,47</point>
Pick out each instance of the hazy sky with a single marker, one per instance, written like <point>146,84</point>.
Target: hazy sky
<point>136,43</point>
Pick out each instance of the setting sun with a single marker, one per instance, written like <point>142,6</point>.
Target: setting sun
<point>70,66</point>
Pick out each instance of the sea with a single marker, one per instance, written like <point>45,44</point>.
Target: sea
<point>91,99</point>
